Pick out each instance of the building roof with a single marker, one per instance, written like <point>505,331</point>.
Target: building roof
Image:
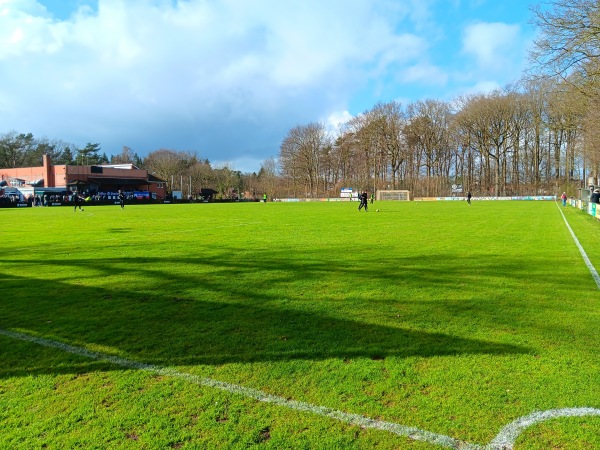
<point>119,181</point>
<point>155,179</point>
<point>128,166</point>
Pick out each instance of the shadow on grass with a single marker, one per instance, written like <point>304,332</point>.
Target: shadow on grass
<point>167,317</point>
<point>120,230</point>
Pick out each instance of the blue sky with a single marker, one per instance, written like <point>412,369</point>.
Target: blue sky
<point>227,79</point>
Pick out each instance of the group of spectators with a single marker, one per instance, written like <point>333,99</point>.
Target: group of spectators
<point>45,200</point>
<point>67,197</point>
<point>9,198</point>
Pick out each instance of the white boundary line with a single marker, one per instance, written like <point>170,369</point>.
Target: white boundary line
<point>353,419</point>
<point>505,440</point>
<point>584,255</point>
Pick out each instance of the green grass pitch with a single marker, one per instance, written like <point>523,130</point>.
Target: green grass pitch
<point>451,319</point>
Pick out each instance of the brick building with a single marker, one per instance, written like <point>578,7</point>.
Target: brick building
<point>108,178</point>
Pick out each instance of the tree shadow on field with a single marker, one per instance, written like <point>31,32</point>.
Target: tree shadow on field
<point>119,230</point>
<point>228,309</point>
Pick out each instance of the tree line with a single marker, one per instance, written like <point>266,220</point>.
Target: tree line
<point>537,136</point>
<point>528,139</point>
<point>24,150</point>
<point>183,171</point>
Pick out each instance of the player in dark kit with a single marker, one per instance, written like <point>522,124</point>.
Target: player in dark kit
<point>77,201</point>
<point>363,201</point>
<point>122,199</point>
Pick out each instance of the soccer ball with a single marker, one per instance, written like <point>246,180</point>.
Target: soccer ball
<point>376,210</point>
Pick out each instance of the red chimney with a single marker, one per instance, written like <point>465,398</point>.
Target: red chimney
<point>48,182</point>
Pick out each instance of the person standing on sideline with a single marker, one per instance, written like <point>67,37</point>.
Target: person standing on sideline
<point>363,201</point>
<point>469,197</point>
<point>121,199</point>
<point>77,201</point>
<point>564,198</point>
<point>372,197</point>
<point>265,197</point>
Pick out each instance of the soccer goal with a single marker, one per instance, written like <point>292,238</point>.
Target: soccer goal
<point>393,195</point>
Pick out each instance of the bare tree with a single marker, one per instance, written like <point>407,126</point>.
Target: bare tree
<point>428,133</point>
<point>364,142</point>
<point>536,97</point>
<point>125,157</point>
<point>342,158</point>
<point>591,140</point>
<point>170,165</point>
<point>389,121</point>
<point>565,118</point>
<point>201,176</point>
<point>568,46</point>
<point>301,155</point>
<point>267,178</point>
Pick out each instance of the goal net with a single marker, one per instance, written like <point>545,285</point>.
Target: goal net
<point>393,195</point>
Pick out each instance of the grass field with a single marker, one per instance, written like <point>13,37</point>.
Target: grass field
<point>165,326</point>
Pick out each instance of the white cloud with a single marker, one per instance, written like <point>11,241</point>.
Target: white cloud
<point>194,59</point>
<point>224,78</point>
<point>25,27</point>
<point>335,120</point>
<point>484,87</point>
<point>425,73</point>
<point>491,43</point>
<point>243,164</point>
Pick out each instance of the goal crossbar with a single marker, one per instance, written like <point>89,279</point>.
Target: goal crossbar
<point>400,195</point>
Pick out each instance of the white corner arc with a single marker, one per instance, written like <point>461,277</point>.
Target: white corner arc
<point>505,440</point>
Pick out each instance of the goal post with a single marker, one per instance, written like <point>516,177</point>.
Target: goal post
<point>393,195</point>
